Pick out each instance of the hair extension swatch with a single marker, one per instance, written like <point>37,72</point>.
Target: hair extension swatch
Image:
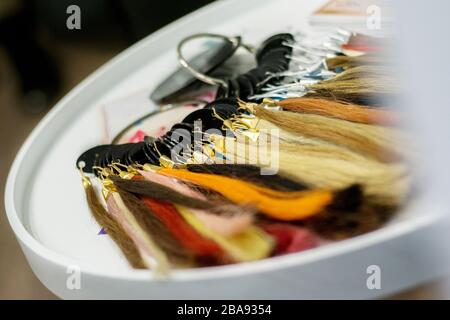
<point>253,244</point>
<point>339,225</point>
<point>327,167</point>
<point>249,173</point>
<point>365,85</point>
<point>347,62</point>
<point>200,246</point>
<point>153,257</point>
<point>172,184</point>
<point>291,238</point>
<point>159,192</point>
<point>112,227</point>
<point>224,218</point>
<point>224,224</point>
<point>378,142</point>
<point>277,204</point>
<point>154,227</point>
<point>340,110</point>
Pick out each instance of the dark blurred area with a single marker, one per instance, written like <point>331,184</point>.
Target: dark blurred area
<point>29,29</point>
<point>40,61</point>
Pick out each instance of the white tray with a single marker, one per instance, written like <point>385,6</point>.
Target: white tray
<point>47,210</point>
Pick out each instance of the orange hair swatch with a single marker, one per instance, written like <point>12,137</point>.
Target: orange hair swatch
<point>279,205</point>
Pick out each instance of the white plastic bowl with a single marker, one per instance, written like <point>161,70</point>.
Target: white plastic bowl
<point>47,210</point>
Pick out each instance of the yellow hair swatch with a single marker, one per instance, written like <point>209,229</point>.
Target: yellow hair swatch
<point>252,244</point>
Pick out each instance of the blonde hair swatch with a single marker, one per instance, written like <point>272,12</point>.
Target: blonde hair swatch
<point>330,167</point>
<point>346,62</point>
<point>364,85</point>
<point>379,142</point>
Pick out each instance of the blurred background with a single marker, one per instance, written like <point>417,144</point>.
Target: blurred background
<point>40,61</point>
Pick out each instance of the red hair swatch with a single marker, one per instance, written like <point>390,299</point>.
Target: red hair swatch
<point>201,247</point>
<point>290,238</point>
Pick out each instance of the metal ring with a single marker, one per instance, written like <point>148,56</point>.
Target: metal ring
<point>235,41</point>
<point>162,108</point>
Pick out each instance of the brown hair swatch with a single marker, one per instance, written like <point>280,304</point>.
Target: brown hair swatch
<point>113,229</point>
<point>156,228</point>
<point>249,173</point>
<point>219,206</point>
<point>343,224</point>
<point>159,192</point>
